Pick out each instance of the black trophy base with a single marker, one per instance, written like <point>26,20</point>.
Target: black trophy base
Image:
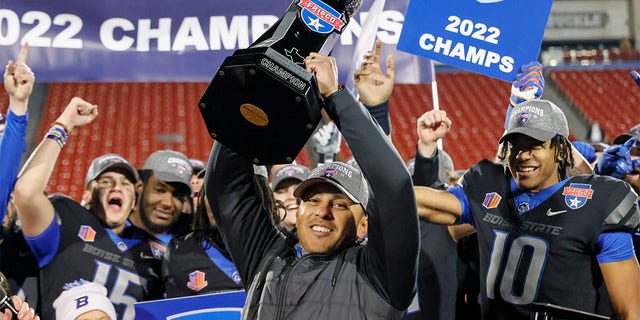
<point>262,105</point>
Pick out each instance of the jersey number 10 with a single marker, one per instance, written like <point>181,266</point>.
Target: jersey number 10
<point>525,261</point>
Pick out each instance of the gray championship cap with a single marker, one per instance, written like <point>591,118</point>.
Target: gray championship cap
<point>633,132</point>
<point>197,165</point>
<point>289,172</point>
<point>538,119</point>
<point>346,178</point>
<point>170,166</point>
<point>110,162</point>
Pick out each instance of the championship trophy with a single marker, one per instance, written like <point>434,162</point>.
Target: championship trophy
<point>262,102</point>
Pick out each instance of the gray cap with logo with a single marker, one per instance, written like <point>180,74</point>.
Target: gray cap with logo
<point>289,172</point>
<point>538,119</point>
<point>170,166</point>
<point>343,176</point>
<point>110,162</point>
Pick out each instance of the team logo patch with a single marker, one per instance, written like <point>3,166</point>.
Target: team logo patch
<point>122,246</point>
<point>491,200</point>
<point>320,17</point>
<point>524,117</point>
<point>157,248</point>
<point>577,194</point>
<point>236,277</point>
<point>197,281</point>
<point>87,233</point>
<point>523,207</point>
<point>330,172</point>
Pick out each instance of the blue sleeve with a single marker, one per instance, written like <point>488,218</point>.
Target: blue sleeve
<point>45,245</point>
<point>614,247</point>
<point>466,216</point>
<point>12,146</point>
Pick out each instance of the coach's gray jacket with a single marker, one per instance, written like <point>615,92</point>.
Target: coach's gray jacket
<point>359,281</point>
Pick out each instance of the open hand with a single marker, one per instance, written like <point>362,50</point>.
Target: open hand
<point>374,86</point>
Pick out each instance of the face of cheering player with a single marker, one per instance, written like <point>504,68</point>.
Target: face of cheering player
<point>113,199</point>
<point>327,219</point>
<point>533,164</point>
<point>162,204</point>
<point>284,193</point>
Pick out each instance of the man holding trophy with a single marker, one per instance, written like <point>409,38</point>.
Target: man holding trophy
<point>262,102</point>
<point>331,273</point>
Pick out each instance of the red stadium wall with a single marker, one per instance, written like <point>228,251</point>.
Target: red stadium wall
<point>138,118</point>
<point>135,119</point>
<point>608,97</point>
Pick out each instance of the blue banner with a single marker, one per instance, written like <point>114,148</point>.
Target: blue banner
<point>163,40</point>
<point>223,306</point>
<point>490,37</point>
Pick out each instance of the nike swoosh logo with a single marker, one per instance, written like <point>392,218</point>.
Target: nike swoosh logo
<point>147,257</point>
<point>553,213</point>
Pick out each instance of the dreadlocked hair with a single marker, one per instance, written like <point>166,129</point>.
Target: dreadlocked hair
<point>200,225</point>
<point>563,151</point>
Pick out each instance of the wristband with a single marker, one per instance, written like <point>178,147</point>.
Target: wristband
<point>61,125</point>
<point>58,135</point>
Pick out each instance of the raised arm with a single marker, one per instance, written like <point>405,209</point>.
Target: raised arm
<point>431,126</point>
<point>240,211</point>
<point>375,87</point>
<point>18,82</point>
<point>34,209</point>
<point>390,257</point>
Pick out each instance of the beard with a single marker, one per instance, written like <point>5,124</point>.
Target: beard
<point>152,226</point>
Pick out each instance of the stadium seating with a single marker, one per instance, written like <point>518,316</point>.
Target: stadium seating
<point>606,96</point>
<point>135,120</point>
<point>139,118</point>
<point>476,105</point>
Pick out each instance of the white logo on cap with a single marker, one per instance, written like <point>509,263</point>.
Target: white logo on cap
<point>110,158</point>
<point>531,109</point>
<point>182,162</point>
<point>343,170</point>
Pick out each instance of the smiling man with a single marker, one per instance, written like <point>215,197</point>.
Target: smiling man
<point>165,194</point>
<point>331,273</point>
<point>544,237</point>
<point>71,242</point>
